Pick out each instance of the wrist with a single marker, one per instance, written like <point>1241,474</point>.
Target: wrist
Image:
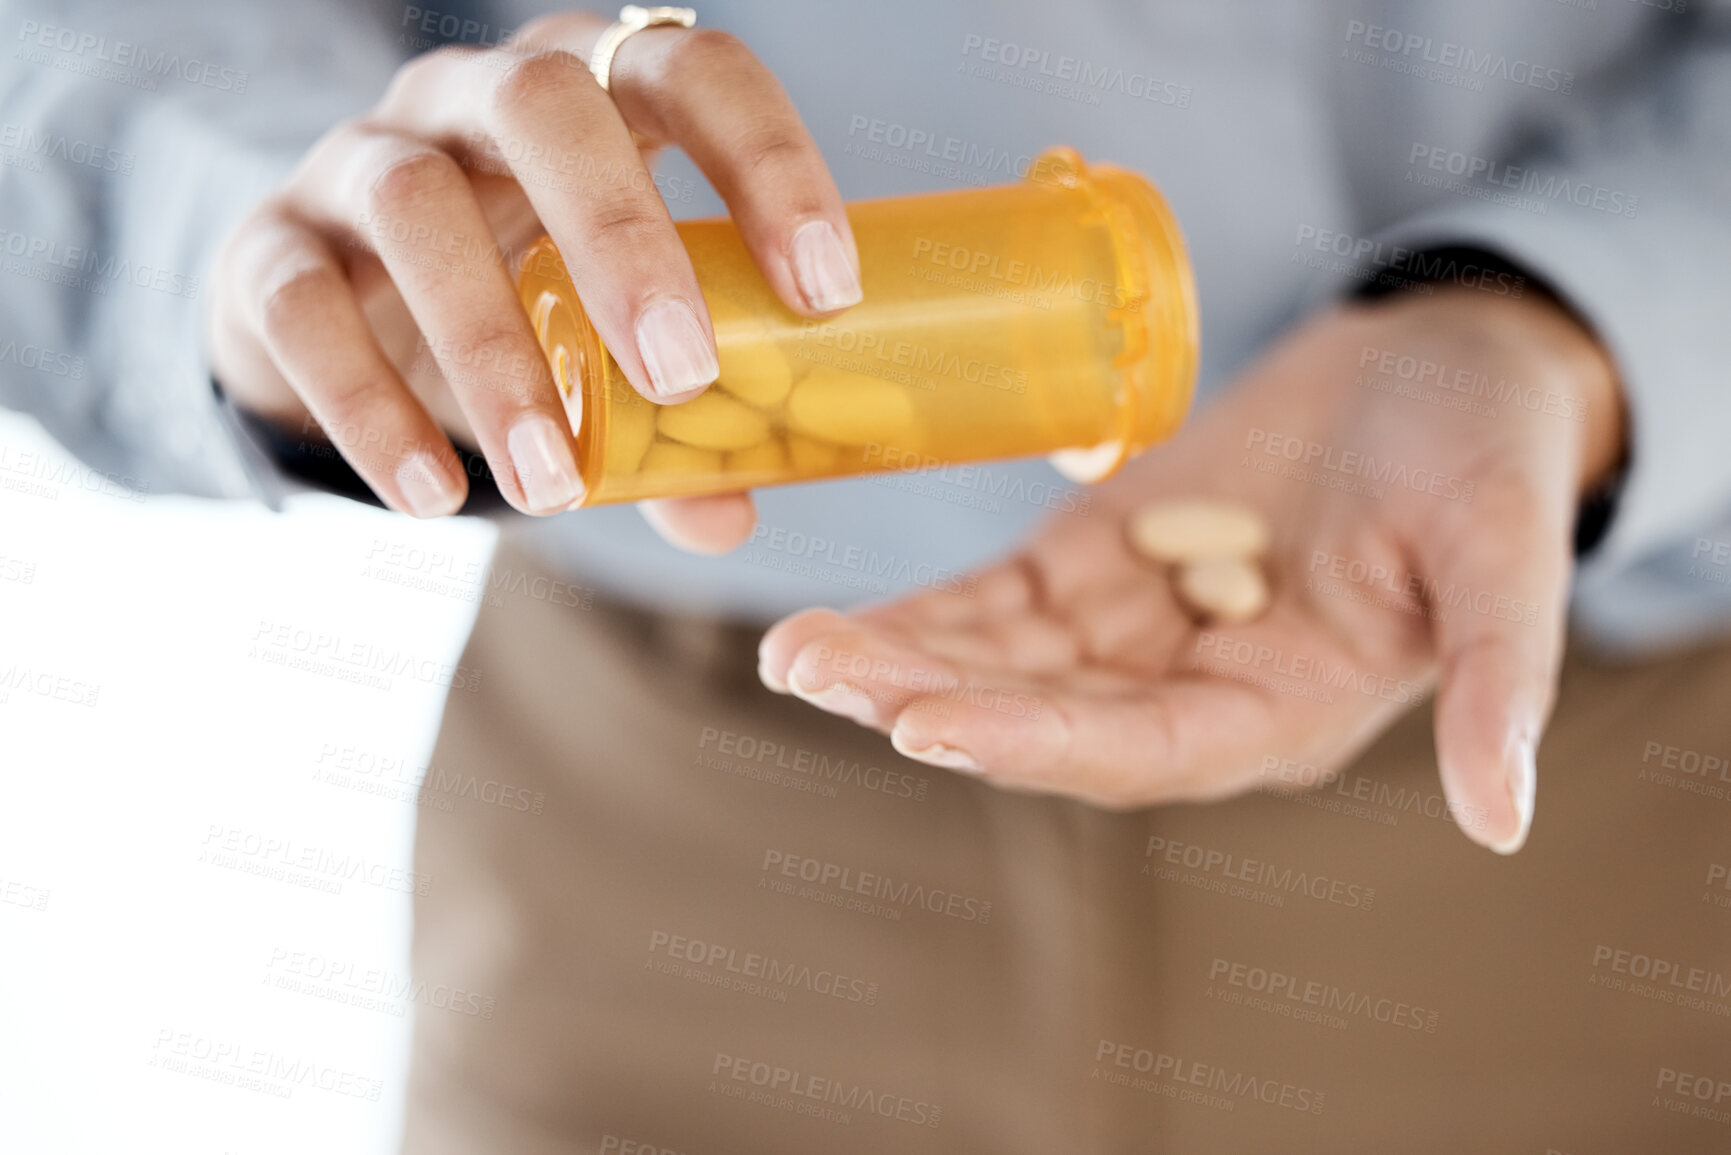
<point>1582,364</point>
<point>1546,347</point>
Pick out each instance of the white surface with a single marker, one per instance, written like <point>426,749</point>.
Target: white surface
<point>148,953</point>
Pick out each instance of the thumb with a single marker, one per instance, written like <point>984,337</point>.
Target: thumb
<point>712,524</point>
<point>1496,578</point>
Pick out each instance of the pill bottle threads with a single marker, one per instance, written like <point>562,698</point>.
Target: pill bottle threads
<point>1163,337</point>
<point>1054,314</point>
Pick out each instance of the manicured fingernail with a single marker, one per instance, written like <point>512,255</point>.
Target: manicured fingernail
<point>769,679</point>
<point>427,488</point>
<point>545,467</point>
<point>1523,780</point>
<point>677,352</point>
<point>937,754</point>
<point>841,698</point>
<point>823,269</point>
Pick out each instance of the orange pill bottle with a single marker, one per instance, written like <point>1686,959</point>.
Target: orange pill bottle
<point>1055,315</point>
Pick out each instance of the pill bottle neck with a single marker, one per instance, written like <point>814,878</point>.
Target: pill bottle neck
<point>582,368</point>
<point>1158,316</point>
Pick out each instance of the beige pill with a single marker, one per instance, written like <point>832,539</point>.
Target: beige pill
<point>767,456</point>
<point>849,409</point>
<point>811,455</point>
<point>757,373</point>
<point>714,421</point>
<point>1196,529</point>
<point>752,368</point>
<point>630,429</point>
<point>671,457</point>
<point>1224,589</point>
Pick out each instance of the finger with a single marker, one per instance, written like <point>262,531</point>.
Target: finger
<point>627,262</point>
<point>1024,644</point>
<point>1186,739</point>
<point>1499,573</point>
<point>847,666</point>
<point>1110,737</point>
<point>704,90</point>
<point>871,675</point>
<point>828,657</point>
<point>541,114</point>
<point>303,311</point>
<point>784,640</point>
<point>413,205</point>
<point>711,525</point>
<point>858,672</point>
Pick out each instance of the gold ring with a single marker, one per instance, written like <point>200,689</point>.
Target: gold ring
<point>632,18</point>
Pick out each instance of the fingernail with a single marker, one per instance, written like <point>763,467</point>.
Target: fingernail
<point>823,269</point>
<point>545,468</point>
<point>937,754</point>
<point>677,352</point>
<point>426,487</point>
<point>1523,781</point>
<point>841,698</point>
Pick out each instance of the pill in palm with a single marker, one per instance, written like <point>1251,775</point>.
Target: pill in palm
<point>1196,529</point>
<point>714,421</point>
<point>1224,589</point>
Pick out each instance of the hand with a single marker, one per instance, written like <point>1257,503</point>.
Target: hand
<point>1072,669</point>
<point>374,295</point>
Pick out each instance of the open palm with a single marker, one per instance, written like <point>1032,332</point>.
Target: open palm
<point>1413,542</point>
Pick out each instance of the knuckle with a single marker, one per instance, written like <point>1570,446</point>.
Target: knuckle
<point>494,355</point>
<point>624,222</point>
<point>358,408</point>
<point>407,80</point>
<point>295,297</point>
<point>257,240</point>
<point>770,147</point>
<point>416,175</point>
<point>702,51</point>
<point>265,219</point>
<point>530,75</point>
<point>421,72</point>
<point>371,430</point>
<point>344,140</point>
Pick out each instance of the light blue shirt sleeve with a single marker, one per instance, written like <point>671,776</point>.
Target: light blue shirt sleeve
<point>1642,250</point>
<point>132,137</point>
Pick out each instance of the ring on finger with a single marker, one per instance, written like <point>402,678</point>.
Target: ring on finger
<point>633,18</point>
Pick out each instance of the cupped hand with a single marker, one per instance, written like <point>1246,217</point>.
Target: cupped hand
<point>1420,462</point>
<point>373,295</point>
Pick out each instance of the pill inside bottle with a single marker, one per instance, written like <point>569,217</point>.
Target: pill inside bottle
<point>1052,316</point>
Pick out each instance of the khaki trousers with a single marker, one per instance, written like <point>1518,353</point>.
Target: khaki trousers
<point>702,918</point>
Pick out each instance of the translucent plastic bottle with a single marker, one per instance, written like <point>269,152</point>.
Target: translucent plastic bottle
<point>1055,315</point>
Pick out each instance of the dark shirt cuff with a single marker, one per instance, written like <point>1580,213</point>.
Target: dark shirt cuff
<point>316,462</point>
